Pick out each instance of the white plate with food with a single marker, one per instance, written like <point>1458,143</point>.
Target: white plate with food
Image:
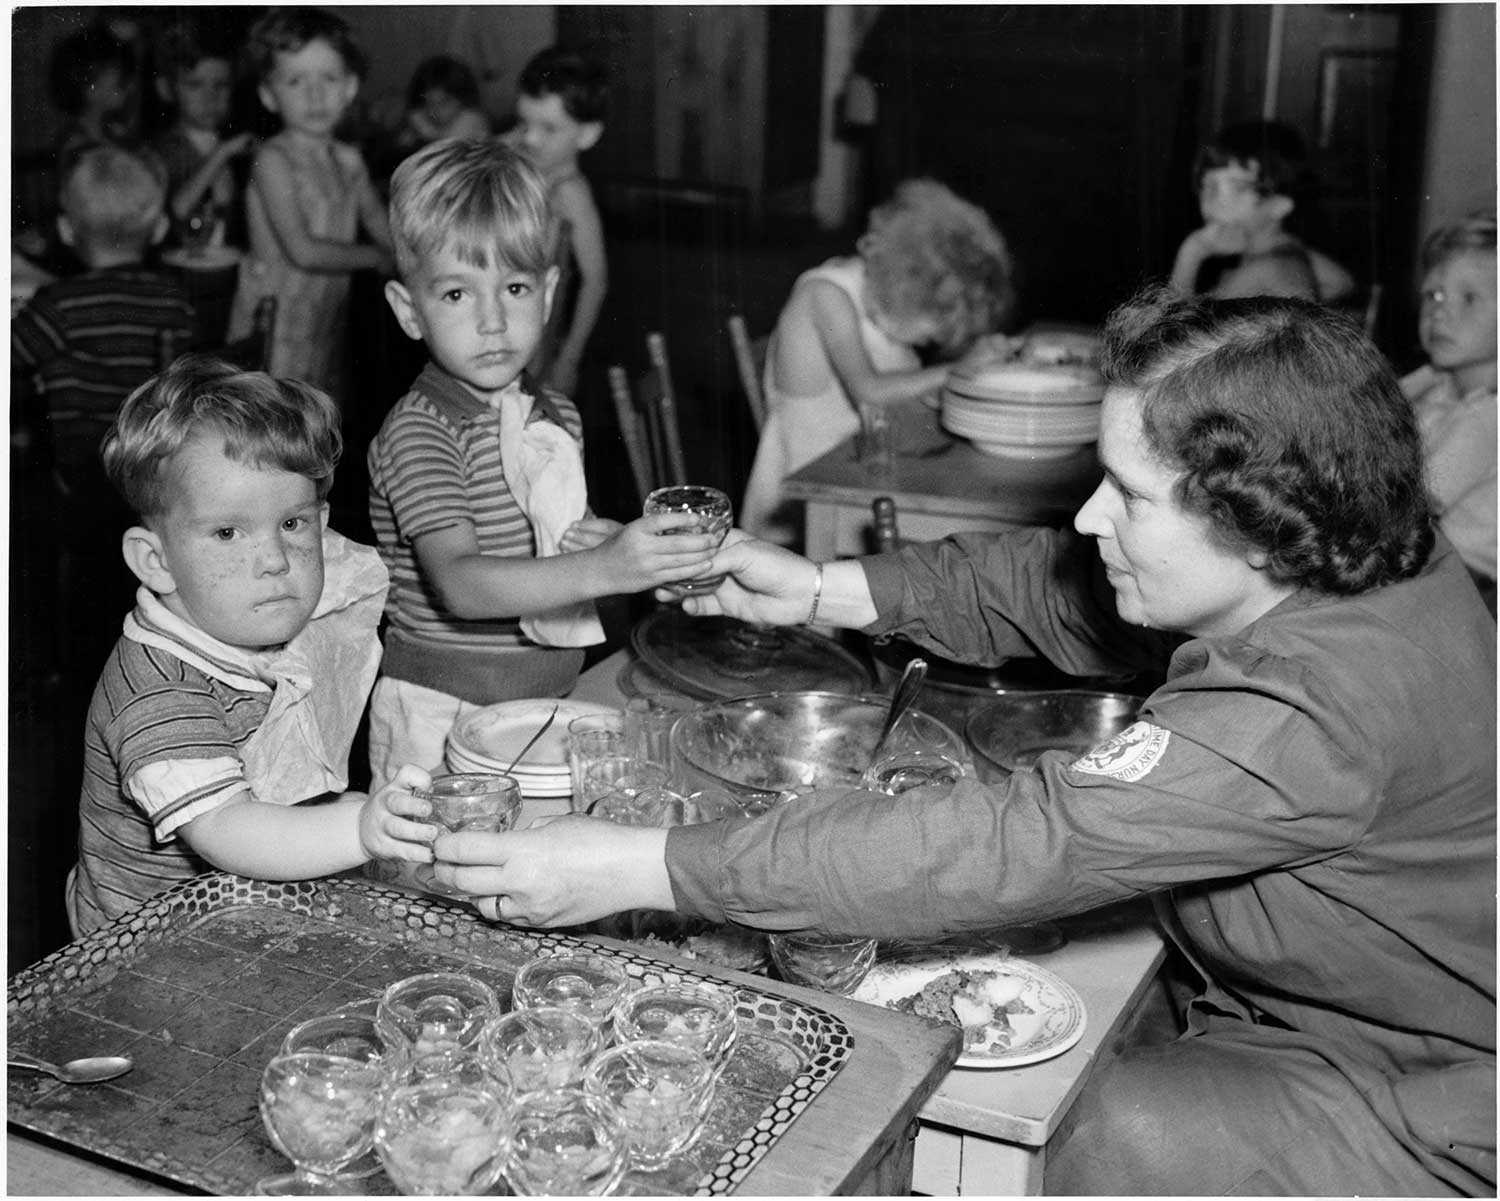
<point>1011,1011</point>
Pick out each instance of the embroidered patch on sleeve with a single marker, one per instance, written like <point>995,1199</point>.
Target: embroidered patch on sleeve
<point>1129,755</point>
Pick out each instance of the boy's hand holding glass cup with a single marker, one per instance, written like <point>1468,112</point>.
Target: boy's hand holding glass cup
<point>394,823</point>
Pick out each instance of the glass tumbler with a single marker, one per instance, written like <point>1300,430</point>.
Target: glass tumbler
<point>591,738</point>
<point>445,1137</point>
<point>468,801</point>
<point>648,727</point>
<point>833,963</point>
<point>703,511</point>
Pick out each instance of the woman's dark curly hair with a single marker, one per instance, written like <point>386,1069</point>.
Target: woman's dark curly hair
<point>1295,437</point>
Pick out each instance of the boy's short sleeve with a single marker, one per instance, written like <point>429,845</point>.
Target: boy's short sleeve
<point>419,466</point>
<point>176,753</point>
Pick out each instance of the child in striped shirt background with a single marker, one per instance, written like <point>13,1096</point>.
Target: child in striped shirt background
<point>477,494</point>
<point>233,695</point>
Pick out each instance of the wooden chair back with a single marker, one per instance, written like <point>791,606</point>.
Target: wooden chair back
<point>647,416</point>
<point>750,362</point>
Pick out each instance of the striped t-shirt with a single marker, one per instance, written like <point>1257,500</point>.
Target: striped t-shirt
<point>435,463</point>
<point>150,708</point>
<point>91,339</point>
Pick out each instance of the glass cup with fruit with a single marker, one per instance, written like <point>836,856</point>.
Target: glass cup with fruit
<point>703,511</point>
<point>320,1112</point>
<point>445,1137</point>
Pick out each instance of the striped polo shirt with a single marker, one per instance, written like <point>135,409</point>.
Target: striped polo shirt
<point>151,709</point>
<point>435,463</point>
<point>91,339</point>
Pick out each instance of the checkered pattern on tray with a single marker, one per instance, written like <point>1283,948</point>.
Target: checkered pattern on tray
<point>200,984</point>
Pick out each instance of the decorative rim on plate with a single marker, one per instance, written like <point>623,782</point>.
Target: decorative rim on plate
<point>1055,1023</point>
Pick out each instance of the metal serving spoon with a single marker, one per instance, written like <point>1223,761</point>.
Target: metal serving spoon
<point>91,1070</point>
<point>546,725</point>
<point>902,696</point>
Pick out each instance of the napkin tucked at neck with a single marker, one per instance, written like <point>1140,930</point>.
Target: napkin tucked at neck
<point>319,681</point>
<point>543,468</point>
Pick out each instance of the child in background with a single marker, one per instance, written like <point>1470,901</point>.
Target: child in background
<point>1250,180</point>
<point>84,342</point>
<point>931,268</point>
<point>234,692</point>
<point>560,114</point>
<point>309,196</point>
<point>477,491</point>
<point>196,81</point>
<point>442,101</point>
<point>1454,394</point>
<point>92,77</point>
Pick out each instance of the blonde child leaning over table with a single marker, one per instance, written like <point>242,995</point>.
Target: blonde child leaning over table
<point>931,269</point>
<point>233,694</point>
<point>1454,393</point>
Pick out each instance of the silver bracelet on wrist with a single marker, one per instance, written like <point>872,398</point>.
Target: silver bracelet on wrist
<point>812,614</point>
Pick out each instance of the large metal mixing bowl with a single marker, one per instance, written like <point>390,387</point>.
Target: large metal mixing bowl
<point>760,746</point>
<point>1014,730</point>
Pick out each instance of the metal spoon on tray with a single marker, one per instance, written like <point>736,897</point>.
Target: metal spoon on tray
<point>902,697</point>
<point>91,1070</point>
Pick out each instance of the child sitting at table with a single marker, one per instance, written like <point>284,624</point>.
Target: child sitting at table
<point>560,114</point>
<point>77,349</point>
<point>477,492</point>
<point>1454,393</point>
<point>442,101</point>
<point>196,79</point>
<point>931,269</point>
<point>234,692</point>
<point>1250,179</point>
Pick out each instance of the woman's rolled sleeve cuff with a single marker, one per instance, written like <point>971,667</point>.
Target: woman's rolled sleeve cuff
<point>694,855</point>
<point>887,584</point>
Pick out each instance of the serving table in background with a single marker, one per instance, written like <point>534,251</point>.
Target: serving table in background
<point>941,485</point>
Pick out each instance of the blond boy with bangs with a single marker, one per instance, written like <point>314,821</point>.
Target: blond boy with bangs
<point>477,494</point>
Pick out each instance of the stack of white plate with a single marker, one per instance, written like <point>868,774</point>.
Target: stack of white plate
<point>488,739</point>
<point>1025,410</point>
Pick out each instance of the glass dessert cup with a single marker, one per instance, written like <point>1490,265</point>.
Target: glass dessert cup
<point>902,771</point>
<point>320,1113</point>
<point>704,511</point>
<point>440,1137</point>
<point>697,1016</point>
<point>588,984</point>
<point>655,1094</point>
<point>540,1049</point>
<point>352,1033</point>
<point>436,1013</point>
<point>563,1147</point>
